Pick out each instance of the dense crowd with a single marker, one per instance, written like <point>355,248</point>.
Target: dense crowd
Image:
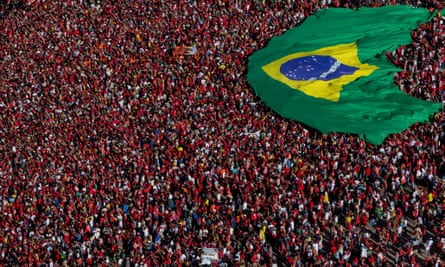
<point>118,151</point>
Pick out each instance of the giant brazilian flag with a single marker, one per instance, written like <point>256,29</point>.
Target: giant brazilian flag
<point>332,73</point>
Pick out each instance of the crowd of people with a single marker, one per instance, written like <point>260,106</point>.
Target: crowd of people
<point>118,150</point>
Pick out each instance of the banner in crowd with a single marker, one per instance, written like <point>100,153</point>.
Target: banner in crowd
<point>184,50</point>
<point>331,72</point>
